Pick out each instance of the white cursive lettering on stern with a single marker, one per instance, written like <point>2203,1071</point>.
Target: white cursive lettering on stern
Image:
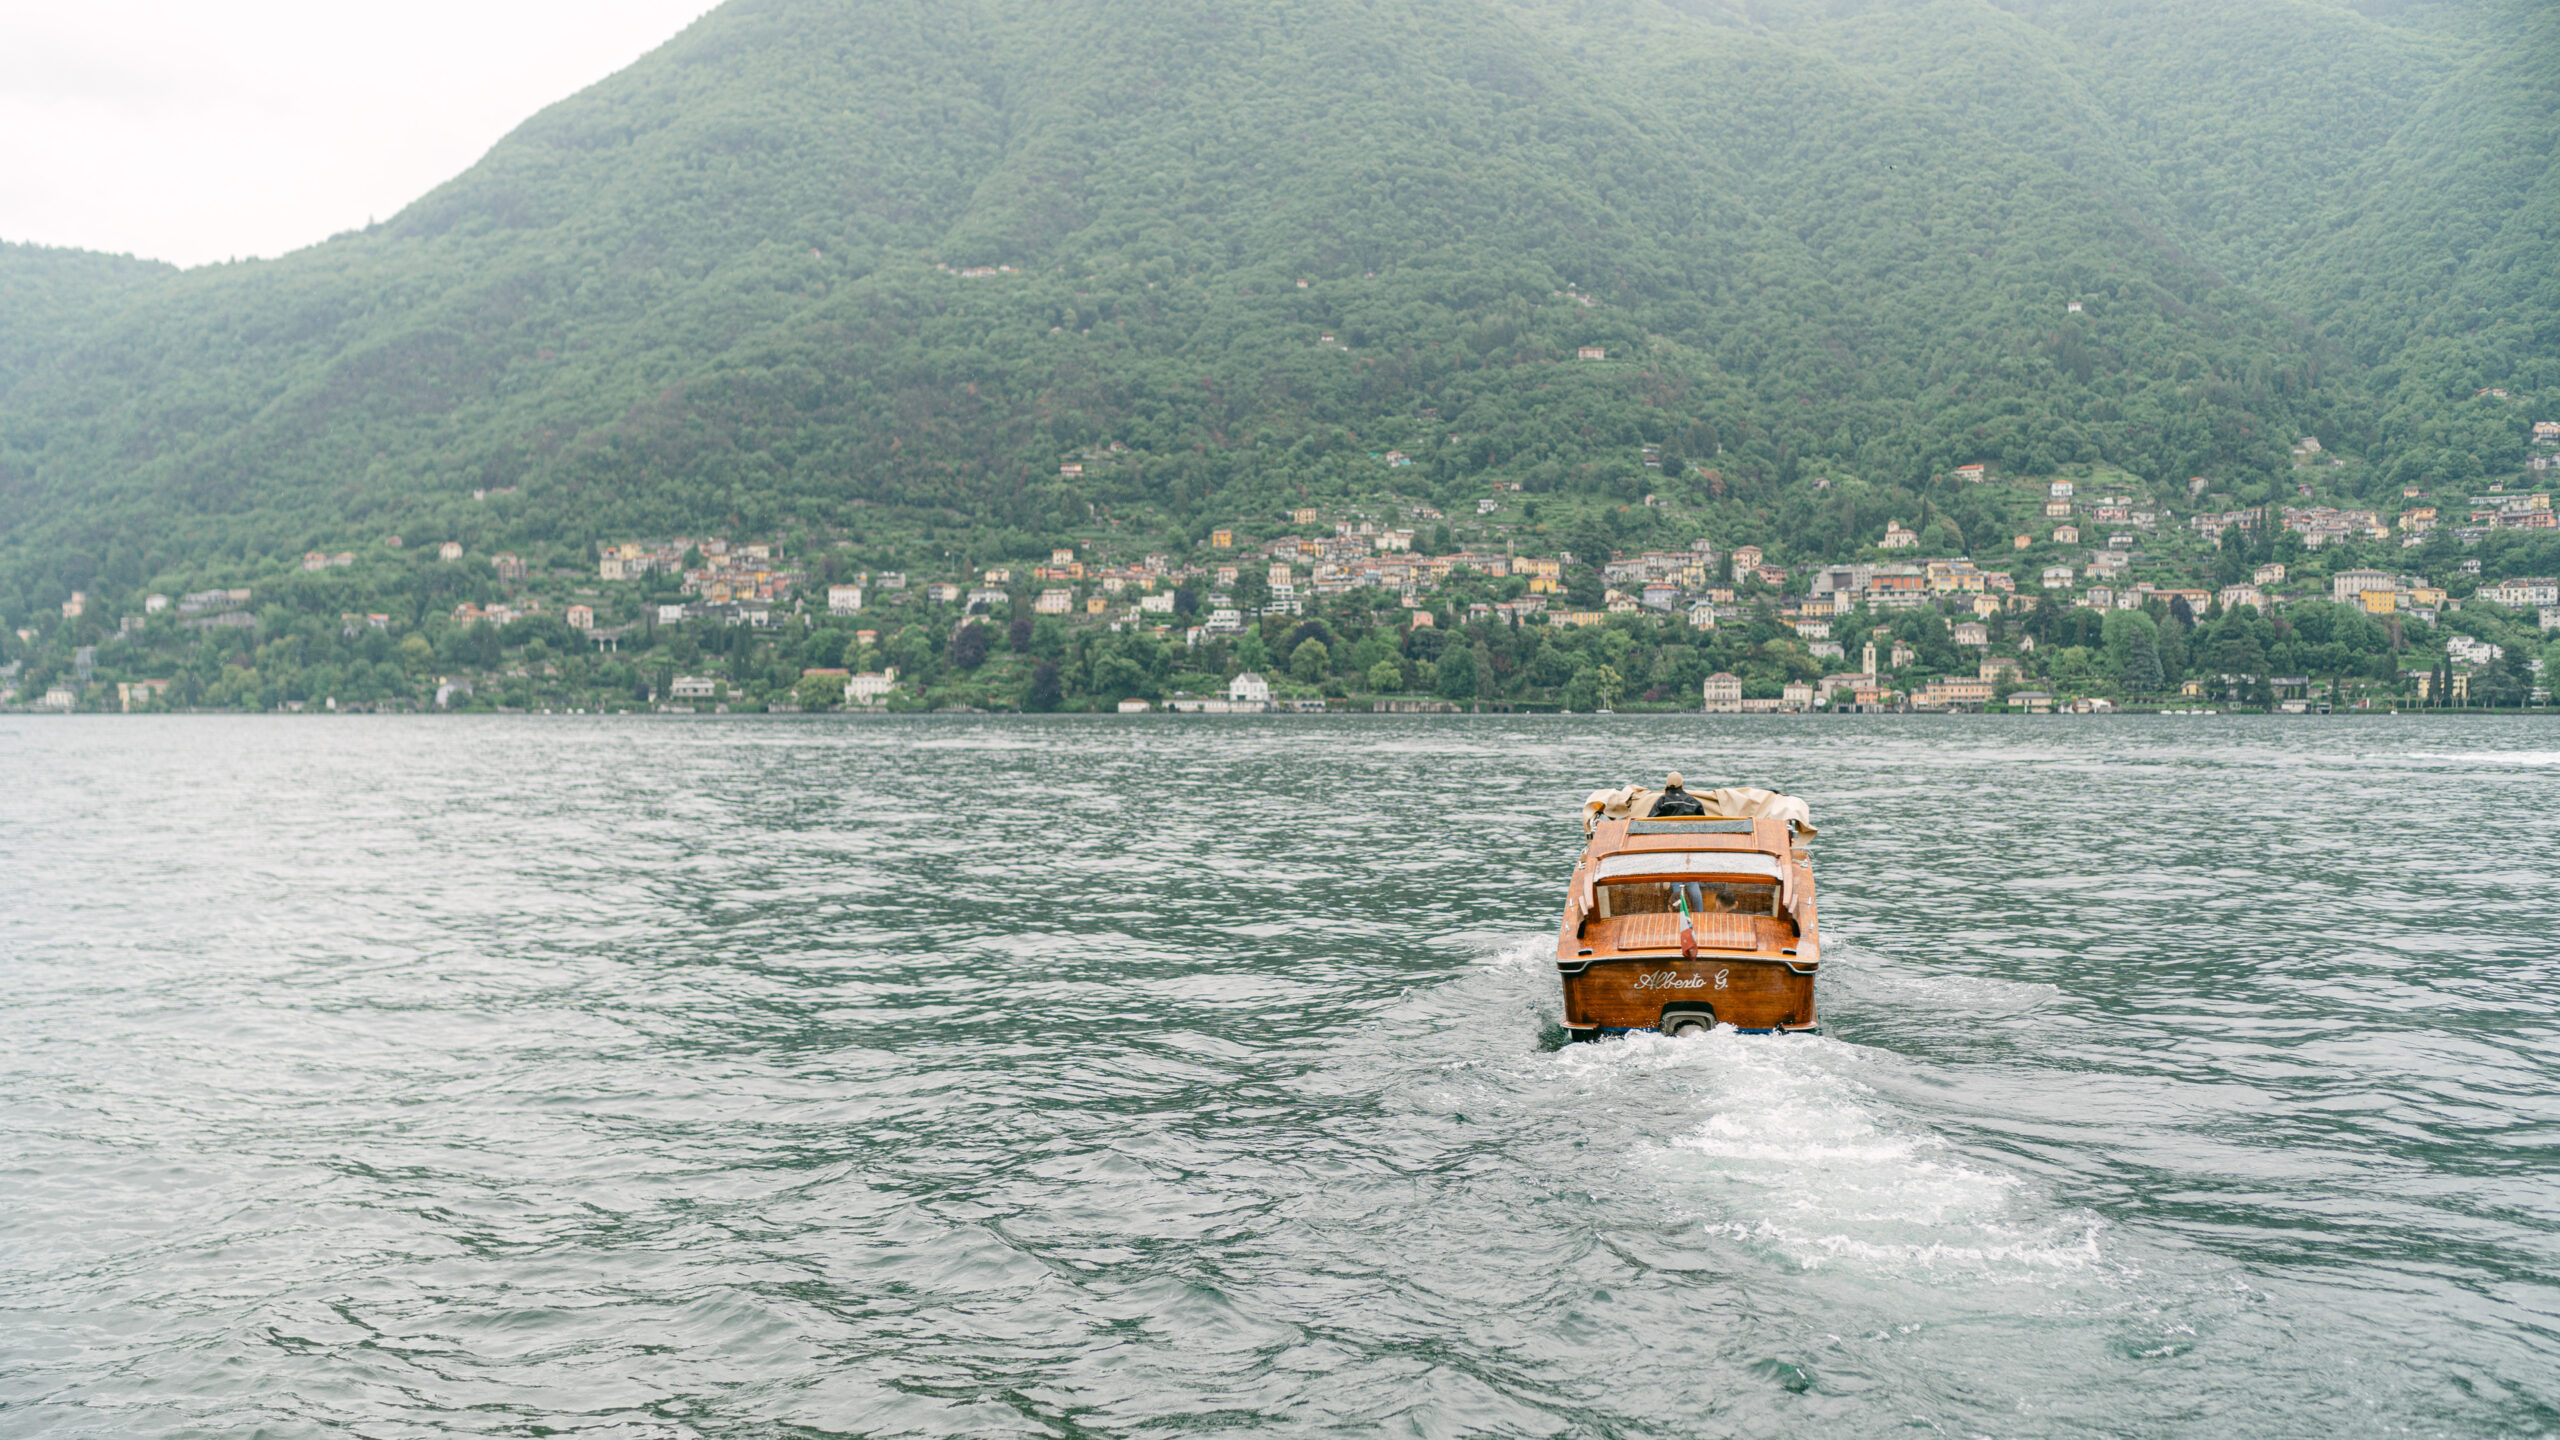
<point>1674,980</point>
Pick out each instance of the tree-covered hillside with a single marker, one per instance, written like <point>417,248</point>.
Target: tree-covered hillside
<point>732,286</point>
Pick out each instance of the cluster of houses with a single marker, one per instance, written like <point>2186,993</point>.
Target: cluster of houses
<point>1250,694</point>
<point>868,690</point>
<point>729,574</point>
<point>1865,690</point>
<point>1700,584</point>
<point>500,613</point>
<point>2120,517</point>
<point>2501,511</point>
<point>2322,525</point>
<point>1247,694</point>
<point>197,610</point>
<point>2379,592</point>
<point>2539,593</point>
<point>205,609</point>
<point>740,584</point>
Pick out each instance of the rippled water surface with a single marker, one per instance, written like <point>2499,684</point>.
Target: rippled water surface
<point>2181,1076</point>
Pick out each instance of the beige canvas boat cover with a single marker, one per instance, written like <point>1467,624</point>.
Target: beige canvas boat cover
<point>1736,802</point>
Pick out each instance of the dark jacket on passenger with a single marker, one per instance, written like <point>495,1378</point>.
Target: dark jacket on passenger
<point>1677,802</point>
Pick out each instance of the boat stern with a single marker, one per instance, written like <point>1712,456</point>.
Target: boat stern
<point>1675,995</point>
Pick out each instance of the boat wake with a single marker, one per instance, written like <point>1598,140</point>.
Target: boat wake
<point>1776,1142</point>
<point>1733,1187</point>
<point>1799,1160</point>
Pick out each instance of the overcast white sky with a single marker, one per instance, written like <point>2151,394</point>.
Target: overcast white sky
<point>195,130</point>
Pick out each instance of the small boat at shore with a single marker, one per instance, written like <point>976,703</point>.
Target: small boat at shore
<point>1680,923</point>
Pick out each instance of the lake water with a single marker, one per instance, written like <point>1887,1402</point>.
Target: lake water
<point>1086,1077</point>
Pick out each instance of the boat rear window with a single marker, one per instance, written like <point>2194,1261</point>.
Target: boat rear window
<point>1706,897</point>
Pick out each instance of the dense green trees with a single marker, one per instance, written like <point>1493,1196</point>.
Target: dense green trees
<point>1349,646</point>
<point>722,290</point>
<point>864,278</point>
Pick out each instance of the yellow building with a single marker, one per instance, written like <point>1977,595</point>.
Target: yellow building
<point>1954,578</point>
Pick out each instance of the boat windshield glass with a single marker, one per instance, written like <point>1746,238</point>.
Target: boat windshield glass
<point>1706,897</point>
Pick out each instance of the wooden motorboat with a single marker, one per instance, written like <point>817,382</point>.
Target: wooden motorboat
<point>1681,924</point>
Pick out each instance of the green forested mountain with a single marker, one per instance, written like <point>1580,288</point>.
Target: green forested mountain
<point>1815,237</point>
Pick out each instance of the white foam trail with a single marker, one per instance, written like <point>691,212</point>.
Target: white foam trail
<point>1794,1158</point>
<point>1792,1154</point>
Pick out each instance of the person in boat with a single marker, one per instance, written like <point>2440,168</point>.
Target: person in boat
<point>1675,799</point>
<point>1634,802</point>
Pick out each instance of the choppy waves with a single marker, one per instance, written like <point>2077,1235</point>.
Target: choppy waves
<point>736,1079</point>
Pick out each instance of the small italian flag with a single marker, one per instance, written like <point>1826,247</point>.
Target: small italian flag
<point>1688,931</point>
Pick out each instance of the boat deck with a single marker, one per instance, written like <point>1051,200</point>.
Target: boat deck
<point>1662,932</point>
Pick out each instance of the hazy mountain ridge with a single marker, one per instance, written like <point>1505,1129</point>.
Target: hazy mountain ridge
<point>707,287</point>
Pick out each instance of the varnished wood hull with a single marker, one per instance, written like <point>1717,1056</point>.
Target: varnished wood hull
<point>1623,969</point>
<point>1638,992</point>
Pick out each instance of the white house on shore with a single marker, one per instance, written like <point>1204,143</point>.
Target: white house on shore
<point>1249,687</point>
<point>870,687</point>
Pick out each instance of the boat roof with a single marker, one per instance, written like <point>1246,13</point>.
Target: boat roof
<point>1689,862</point>
<point>1689,825</point>
<point>1766,835</point>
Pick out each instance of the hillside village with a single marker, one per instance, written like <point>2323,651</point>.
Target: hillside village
<point>2101,593</point>
<point>1669,321</point>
